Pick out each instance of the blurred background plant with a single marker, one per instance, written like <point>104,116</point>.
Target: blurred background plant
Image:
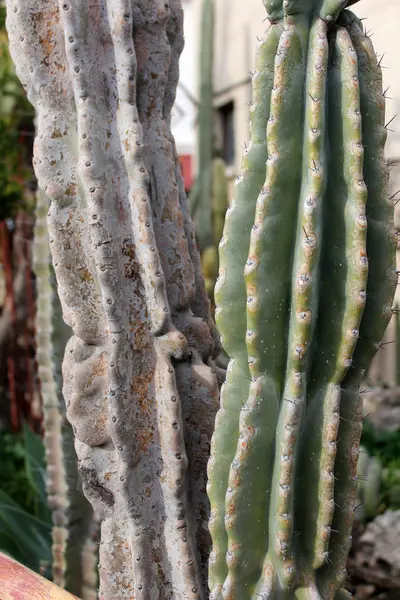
<point>18,394</point>
<point>16,136</point>
<point>379,472</point>
<point>25,518</point>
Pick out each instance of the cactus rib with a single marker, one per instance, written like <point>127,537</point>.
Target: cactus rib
<point>342,302</point>
<point>381,244</point>
<point>230,293</point>
<point>250,475</point>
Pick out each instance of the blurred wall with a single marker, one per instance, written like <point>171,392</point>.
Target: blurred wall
<point>184,110</point>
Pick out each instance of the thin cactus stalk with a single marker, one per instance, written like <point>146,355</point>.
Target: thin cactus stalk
<point>74,549</point>
<point>397,328</point>
<point>202,192</point>
<point>311,227</point>
<point>217,206</point>
<point>139,382</point>
<point>220,200</point>
<point>369,475</point>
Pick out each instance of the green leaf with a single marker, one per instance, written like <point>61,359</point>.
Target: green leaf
<point>32,535</point>
<point>35,462</point>
<point>35,469</point>
<point>9,546</point>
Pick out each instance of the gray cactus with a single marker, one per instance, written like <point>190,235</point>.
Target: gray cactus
<point>139,383</point>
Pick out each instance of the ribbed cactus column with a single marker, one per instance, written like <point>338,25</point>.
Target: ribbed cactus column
<point>139,381</point>
<point>308,250</point>
<point>230,295</point>
<point>74,525</point>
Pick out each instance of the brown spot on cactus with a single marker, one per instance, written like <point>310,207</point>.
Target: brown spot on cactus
<point>71,189</point>
<point>56,134</point>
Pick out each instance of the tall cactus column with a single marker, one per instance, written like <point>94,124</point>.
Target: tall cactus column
<point>308,255</point>
<point>203,187</point>
<point>139,382</point>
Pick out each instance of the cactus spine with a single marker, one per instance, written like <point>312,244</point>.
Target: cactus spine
<point>74,552</point>
<point>139,382</point>
<point>310,226</point>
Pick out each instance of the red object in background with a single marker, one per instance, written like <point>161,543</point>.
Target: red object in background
<point>186,166</point>
<point>15,257</point>
<point>10,300</point>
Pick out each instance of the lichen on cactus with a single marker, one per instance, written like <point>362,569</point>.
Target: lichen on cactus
<point>74,549</point>
<point>139,382</point>
<point>307,275</point>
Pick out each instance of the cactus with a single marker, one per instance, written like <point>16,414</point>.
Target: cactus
<point>397,334</point>
<point>74,552</point>
<point>303,324</point>
<point>369,475</point>
<point>209,196</point>
<point>202,190</point>
<point>139,382</point>
<point>216,206</point>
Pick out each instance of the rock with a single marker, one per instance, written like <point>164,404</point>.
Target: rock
<point>376,558</point>
<point>383,408</point>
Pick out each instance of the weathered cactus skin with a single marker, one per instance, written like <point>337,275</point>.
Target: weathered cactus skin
<point>74,526</point>
<point>139,382</point>
<point>310,226</point>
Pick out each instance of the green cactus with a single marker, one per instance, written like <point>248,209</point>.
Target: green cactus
<point>201,194</point>
<point>74,526</point>
<point>219,199</point>
<point>217,206</point>
<point>397,334</point>
<point>369,475</point>
<point>318,294</point>
<point>209,196</point>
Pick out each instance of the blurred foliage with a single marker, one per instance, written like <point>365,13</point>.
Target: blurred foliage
<point>25,519</point>
<point>386,447</point>
<point>16,135</point>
